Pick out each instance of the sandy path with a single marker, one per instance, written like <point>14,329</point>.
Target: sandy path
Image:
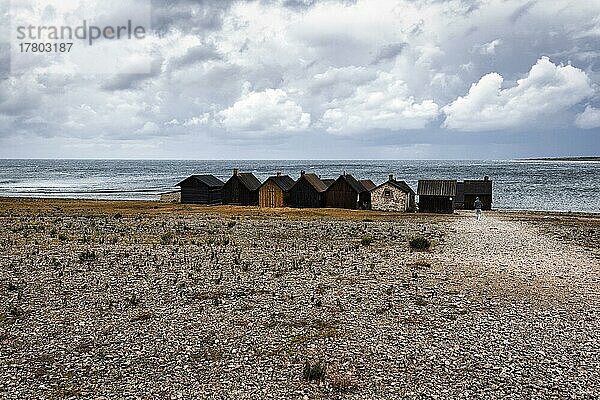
<point>516,258</point>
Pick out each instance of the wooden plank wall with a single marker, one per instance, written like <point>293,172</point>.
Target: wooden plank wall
<point>270,195</point>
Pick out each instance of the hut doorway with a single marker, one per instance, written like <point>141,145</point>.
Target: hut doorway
<point>271,197</point>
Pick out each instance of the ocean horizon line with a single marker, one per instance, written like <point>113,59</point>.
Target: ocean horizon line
<point>572,158</point>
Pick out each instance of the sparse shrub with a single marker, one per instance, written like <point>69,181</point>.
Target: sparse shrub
<point>118,216</point>
<point>314,371</point>
<point>143,316</point>
<point>231,224</point>
<point>166,238</point>
<point>15,312</point>
<point>366,240</point>
<point>419,243</point>
<point>368,220</point>
<point>12,287</point>
<point>213,354</point>
<point>224,241</point>
<point>134,300</point>
<point>421,301</point>
<point>62,237</point>
<point>87,255</point>
<point>423,264</point>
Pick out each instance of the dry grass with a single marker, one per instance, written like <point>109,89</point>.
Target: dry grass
<point>62,207</point>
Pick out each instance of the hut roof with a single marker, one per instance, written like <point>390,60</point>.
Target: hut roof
<point>439,187</point>
<point>208,180</point>
<point>328,182</point>
<point>284,182</point>
<point>398,184</point>
<point>314,181</point>
<point>367,184</point>
<point>354,184</point>
<point>248,180</point>
<point>475,187</point>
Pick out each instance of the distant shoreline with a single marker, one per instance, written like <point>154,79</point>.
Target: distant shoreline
<point>597,158</point>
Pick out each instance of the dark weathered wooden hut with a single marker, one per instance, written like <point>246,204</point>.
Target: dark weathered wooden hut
<point>469,190</point>
<point>393,195</point>
<point>241,189</point>
<point>308,191</point>
<point>347,192</point>
<point>275,191</point>
<point>201,189</point>
<point>436,196</point>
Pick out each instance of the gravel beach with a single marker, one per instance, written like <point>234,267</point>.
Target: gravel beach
<point>140,300</point>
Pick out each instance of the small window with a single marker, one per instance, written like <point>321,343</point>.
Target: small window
<point>387,193</point>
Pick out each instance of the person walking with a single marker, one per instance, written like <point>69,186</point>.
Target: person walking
<point>478,206</point>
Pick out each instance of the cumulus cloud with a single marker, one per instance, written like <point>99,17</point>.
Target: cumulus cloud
<point>589,118</point>
<point>345,65</point>
<point>547,89</point>
<point>268,111</point>
<point>383,103</point>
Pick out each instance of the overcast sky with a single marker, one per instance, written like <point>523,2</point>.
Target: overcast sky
<point>310,79</point>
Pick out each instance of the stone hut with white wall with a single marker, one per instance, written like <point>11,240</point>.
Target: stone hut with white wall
<point>393,195</point>
<point>171,197</point>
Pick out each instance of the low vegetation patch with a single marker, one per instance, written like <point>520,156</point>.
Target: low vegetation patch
<point>218,241</point>
<point>143,316</point>
<point>87,256</point>
<point>423,264</point>
<point>419,243</point>
<point>314,371</point>
<point>166,238</point>
<point>16,311</point>
<point>421,301</point>
<point>366,240</point>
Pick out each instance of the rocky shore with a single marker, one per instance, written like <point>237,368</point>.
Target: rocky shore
<point>140,300</point>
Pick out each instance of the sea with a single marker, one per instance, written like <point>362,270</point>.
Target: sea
<point>517,184</point>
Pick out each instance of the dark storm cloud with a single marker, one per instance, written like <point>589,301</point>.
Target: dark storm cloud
<point>389,52</point>
<point>306,4</point>
<point>4,60</point>
<point>4,39</point>
<point>197,54</point>
<point>131,81</point>
<point>19,105</point>
<point>302,4</point>
<point>195,16</point>
<point>123,81</point>
<point>521,11</point>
